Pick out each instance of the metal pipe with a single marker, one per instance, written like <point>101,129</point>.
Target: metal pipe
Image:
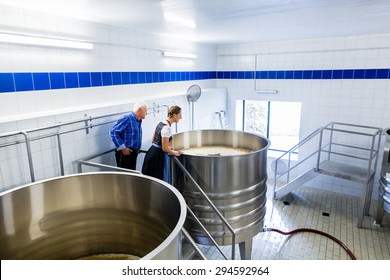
<point>62,169</point>
<point>348,131</point>
<point>193,244</point>
<point>346,155</point>
<point>361,126</point>
<point>192,115</point>
<point>220,119</point>
<point>106,167</point>
<point>319,149</point>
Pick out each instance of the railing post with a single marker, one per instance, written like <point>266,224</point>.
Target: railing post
<point>29,155</point>
<point>330,141</point>
<point>319,149</point>
<point>79,167</point>
<point>62,169</point>
<point>275,176</point>
<point>288,166</point>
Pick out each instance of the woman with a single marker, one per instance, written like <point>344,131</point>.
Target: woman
<point>156,159</point>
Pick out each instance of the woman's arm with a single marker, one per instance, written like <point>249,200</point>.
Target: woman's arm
<point>167,149</point>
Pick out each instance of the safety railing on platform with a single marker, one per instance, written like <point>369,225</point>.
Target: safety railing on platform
<point>283,166</point>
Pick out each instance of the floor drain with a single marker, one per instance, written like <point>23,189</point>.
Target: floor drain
<point>325,214</point>
<point>286,203</point>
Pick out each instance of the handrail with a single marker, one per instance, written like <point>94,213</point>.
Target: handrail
<point>205,196</point>
<point>348,131</point>
<point>377,129</point>
<point>306,139</point>
<point>86,161</point>
<point>192,242</point>
<point>301,143</point>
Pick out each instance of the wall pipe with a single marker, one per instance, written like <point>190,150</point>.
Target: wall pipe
<point>351,255</point>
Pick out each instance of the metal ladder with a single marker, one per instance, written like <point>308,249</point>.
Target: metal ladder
<point>223,119</point>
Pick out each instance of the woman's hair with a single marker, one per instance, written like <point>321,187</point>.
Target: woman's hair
<point>173,110</point>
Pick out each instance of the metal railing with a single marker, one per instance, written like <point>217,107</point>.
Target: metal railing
<point>328,148</point>
<point>191,241</point>
<point>87,162</point>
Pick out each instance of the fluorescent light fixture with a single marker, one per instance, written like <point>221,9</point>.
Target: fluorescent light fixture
<point>177,19</point>
<point>43,41</point>
<point>267,91</point>
<point>179,55</point>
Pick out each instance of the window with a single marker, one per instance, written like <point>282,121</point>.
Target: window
<point>278,121</point>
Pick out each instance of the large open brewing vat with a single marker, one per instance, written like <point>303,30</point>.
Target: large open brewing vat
<point>236,185</point>
<point>88,214</point>
<point>384,181</point>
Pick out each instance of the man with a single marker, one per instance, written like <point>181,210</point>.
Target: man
<point>127,136</point>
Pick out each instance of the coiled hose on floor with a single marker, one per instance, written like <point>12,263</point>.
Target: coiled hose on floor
<point>351,255</point>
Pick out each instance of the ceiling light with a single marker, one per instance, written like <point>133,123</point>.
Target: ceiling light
<point>43,41</point>
<point>175,18</point>
<point>179,55</point>
<point>267,91</point>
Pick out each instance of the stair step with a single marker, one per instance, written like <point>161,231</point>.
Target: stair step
<point>297,182</point>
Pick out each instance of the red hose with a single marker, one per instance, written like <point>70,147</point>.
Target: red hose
<point>352,256</point>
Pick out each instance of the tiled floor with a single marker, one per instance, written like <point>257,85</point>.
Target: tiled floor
<point>308,208</point>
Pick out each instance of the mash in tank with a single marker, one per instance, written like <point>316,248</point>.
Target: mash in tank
<point>215,151</point>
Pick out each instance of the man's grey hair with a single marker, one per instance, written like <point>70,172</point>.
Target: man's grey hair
<point>138,105</point>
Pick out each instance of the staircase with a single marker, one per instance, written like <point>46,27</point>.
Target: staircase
<point>345,151</point>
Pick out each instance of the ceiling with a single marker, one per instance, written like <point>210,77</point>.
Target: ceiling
<point>228,21</point>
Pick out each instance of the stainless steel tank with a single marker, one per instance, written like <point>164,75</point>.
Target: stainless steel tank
<point>384,181</point>
<point>236,185</point>
<point>90,214</point>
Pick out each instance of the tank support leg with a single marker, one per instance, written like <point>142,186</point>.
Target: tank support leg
<point>245,249</point>
<point>380,212</point>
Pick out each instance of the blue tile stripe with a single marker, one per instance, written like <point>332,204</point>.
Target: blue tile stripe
<point>307,74</point>
<point>15,82</point>
<point>26,81</point>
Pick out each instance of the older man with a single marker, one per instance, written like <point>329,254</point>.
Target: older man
<point>127,136</point>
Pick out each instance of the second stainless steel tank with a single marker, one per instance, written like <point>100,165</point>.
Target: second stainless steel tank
<point>384,181</point>
<point>93,215</point>
<point>236,184</point>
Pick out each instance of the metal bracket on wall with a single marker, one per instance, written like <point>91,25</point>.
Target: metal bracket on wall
<point>156,109</point>
<point>86,124</point>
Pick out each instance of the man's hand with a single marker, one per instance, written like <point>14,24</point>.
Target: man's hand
<point>127,151</point>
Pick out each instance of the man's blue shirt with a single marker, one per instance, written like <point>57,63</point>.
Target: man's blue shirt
<point>127,132</point>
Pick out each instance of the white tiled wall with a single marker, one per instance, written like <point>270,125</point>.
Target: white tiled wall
<point>114,50</point>
<point>364,102</point>
<point>14,167</point>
